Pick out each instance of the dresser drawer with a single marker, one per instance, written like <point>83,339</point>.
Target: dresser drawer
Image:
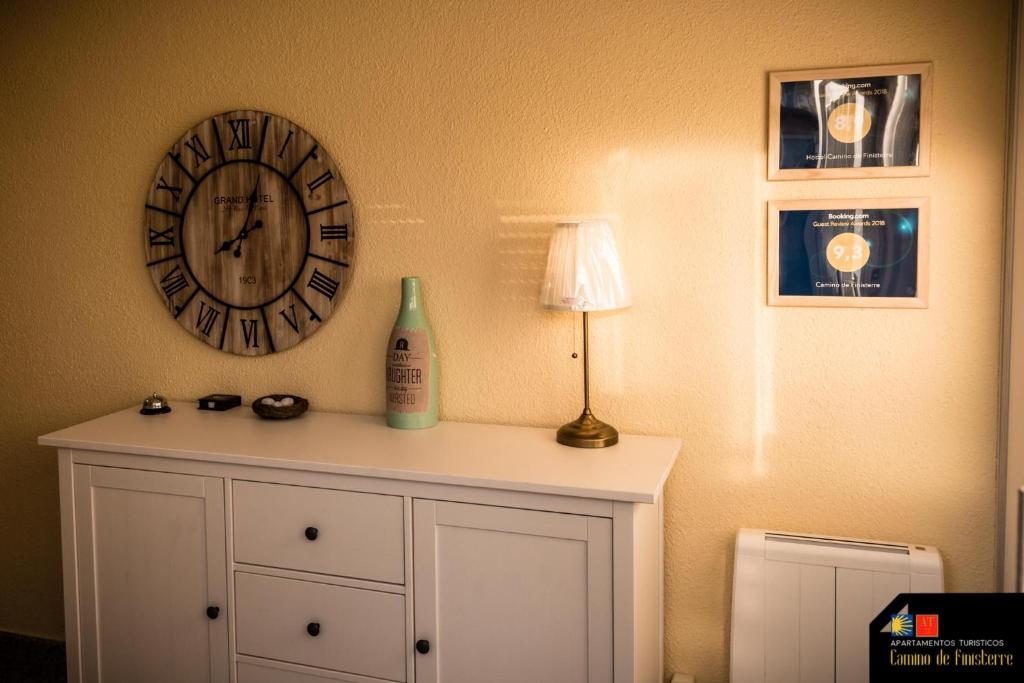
<point>360,631</point>
<point>360,535</point>
<point>274,672</point>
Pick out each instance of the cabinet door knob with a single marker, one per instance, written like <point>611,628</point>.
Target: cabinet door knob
<point>312,532</point>
<point>423,646</point>
<point>213,611</point>
<point>313,629</point>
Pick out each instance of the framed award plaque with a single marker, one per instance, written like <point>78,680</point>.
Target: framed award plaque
<point>854,253</point>
<point>859,122</point>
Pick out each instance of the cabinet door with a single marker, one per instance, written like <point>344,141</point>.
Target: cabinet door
<point>151,560</point>
<point>507,595</point>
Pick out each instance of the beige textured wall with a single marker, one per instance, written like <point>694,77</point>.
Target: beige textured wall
<point>464,131</point>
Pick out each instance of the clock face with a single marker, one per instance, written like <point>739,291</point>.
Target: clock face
<point>248,233</point>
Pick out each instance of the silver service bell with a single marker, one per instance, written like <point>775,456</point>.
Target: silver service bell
<point>155,405</point>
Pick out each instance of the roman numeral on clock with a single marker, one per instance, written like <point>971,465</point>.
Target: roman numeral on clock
<point>311,154</point>
<point>239,134</point>
<point>162,184</point>
<point>161,238</point>
<point>293,319</point>
<point>173,282</point>
<point>206,319</point>
<point>323,284</point>
<point>251,333</point>
<point>313,317</point>
<point>280,152</point>
<point>333,232</point>
<point>324,177</point>
<point>198,149</point>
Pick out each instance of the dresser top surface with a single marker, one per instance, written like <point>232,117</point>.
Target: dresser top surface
<point>490,456</point>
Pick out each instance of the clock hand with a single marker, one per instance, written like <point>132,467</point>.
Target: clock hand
<point>244,232</point>
<point>252,205</point>
<point>245,235</point>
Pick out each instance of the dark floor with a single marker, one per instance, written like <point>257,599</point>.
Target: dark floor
<point>31,660</point>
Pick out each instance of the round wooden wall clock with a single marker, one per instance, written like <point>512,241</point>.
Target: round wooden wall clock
<point>248,232</point>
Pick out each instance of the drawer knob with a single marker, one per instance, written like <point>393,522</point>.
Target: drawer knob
<point>313,629</point>
<point>311,533</point>
<point>213,611</point>
<point>423,646</point>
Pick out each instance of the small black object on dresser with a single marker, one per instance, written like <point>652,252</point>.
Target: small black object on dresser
<point>219,402</point>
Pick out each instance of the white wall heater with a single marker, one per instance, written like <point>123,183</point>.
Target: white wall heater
<point>801,604</point>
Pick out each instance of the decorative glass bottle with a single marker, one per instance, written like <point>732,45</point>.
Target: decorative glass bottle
<point>412,364</point>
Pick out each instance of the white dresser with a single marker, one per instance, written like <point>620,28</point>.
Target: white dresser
<point>204,546</point>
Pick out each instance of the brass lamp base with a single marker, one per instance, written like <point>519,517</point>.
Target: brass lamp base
<point>587,431</point>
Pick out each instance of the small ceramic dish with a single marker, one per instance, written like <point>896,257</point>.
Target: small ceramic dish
<point>293,406</point>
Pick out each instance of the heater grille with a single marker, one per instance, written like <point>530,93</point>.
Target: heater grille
<point>802,603</point>
<point>821,541</point>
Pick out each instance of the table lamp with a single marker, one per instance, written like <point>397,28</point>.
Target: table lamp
<point>584,274</point>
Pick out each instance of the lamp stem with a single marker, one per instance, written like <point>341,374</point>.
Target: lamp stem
<point>586,431</point>
<point>586,364</point>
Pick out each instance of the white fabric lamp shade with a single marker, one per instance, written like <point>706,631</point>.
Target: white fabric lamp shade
<point>584,272</point>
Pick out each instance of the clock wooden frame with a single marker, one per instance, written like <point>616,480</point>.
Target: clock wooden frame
<point>248,232</point>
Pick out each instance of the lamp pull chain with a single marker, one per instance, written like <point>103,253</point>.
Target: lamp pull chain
<point>574,354</point>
